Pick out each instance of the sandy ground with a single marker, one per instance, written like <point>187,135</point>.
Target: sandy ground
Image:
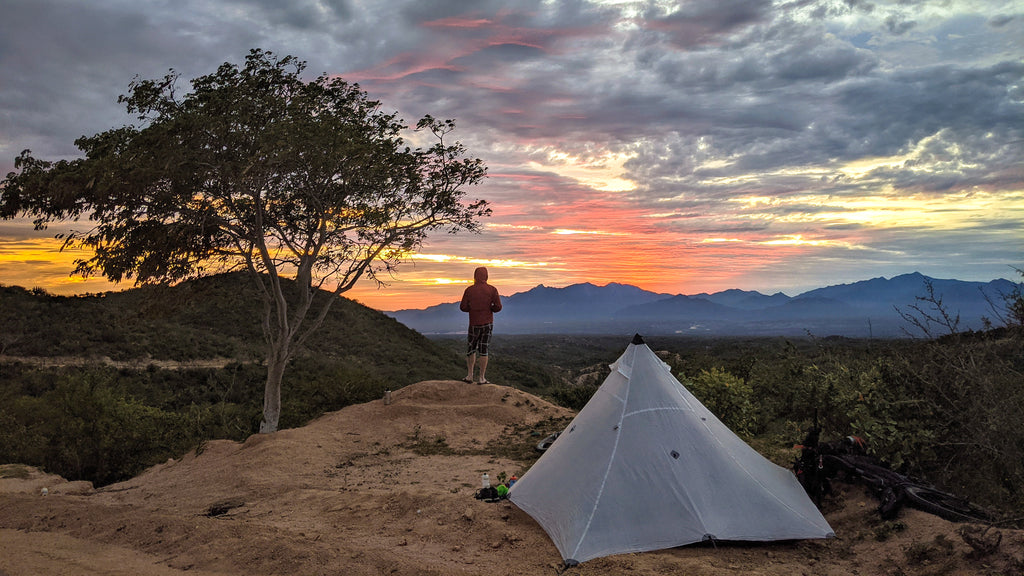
<point>348,495</point>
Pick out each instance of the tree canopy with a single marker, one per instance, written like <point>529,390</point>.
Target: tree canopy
<point>254,168</point>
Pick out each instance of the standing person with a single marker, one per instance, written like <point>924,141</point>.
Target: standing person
<point>481,300</point>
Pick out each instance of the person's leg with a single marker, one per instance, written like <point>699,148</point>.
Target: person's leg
<point>483,350</point>
<point>470,363</point>
<point>472,346</point>
<point>483,369</point>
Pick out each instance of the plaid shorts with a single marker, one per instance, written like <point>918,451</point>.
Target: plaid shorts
<point>479,338</point>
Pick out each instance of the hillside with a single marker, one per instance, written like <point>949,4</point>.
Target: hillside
<point>98,387</point>
<point>388,489</point>
<point>216,317</point>
<point>209,326</point>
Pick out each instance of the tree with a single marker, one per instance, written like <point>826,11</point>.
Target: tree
<point>930,311</point>
<point>254,169</point>
<point>1010,311</point>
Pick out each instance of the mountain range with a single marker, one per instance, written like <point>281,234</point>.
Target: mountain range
<point>869,308</point>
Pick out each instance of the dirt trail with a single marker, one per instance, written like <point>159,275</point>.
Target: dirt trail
<point>136,364</point>
<point>346,495</point>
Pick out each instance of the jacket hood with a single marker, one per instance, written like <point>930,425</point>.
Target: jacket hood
<point>480,275</point>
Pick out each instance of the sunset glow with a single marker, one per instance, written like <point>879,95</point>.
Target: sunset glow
<point>605,173</point>
<point>679,147</point>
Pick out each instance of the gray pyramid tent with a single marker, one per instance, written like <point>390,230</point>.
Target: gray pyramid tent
<point>645,466</point>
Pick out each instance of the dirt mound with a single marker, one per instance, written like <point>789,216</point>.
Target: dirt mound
<point>388,489</point>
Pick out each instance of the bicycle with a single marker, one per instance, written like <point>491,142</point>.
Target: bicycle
<point>847,459</point>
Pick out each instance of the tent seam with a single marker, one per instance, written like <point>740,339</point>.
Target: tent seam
<point>611,459</point>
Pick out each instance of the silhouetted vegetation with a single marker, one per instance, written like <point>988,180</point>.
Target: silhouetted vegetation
<point>99,387</point>
<point>944,409</point>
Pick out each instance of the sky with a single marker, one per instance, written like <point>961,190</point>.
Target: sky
<point>682,147</point>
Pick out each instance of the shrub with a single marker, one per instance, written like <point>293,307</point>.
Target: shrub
<point>727,397</point>
<point>98,435</point>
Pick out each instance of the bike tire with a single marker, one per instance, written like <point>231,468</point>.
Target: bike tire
<point>547,442</point>
<point>944,505</point>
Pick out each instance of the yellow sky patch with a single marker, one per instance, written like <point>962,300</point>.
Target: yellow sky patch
<point>604,172</point>
<point>520,227</point>
<point>935,212</point>
<point>796,240</point>
<point>449,258</point>
<point>39,262</point>
<point>570,232</point>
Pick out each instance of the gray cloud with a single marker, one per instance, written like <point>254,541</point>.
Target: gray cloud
<point>706,22</point>
<point>1000,20</point>
<point>710,100</point>
<point>300,14</point>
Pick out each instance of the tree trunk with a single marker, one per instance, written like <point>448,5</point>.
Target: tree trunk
<point>272,393</point>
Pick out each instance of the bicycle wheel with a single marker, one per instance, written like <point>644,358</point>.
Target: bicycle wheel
<point>944,505</point>
<point>547,442</point>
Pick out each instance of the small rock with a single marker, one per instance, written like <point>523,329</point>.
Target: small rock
<point>222,507</point>
<point>981,540</point>
<point>468,514</point>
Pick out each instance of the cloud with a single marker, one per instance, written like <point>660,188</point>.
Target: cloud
<point>705,22</point>
<point>858,126</point>
<point>302,15</point>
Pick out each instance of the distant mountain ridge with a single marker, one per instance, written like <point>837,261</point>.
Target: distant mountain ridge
<point>868,308</point>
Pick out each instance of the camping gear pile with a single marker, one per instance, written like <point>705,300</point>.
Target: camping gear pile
<point>489,493</point>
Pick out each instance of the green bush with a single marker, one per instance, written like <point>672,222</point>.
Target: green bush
<point>574,397</point>
<point>93,432</point>
<point>727,397</point>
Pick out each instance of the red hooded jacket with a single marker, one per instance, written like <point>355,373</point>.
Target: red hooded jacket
<point>481,300</point>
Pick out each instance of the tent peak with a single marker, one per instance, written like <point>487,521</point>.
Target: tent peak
<point>637,339</point>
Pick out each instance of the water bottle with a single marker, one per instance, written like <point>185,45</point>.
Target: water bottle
<point>485,481</point>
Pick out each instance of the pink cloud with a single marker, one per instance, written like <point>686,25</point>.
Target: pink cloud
<point>459,22</point>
